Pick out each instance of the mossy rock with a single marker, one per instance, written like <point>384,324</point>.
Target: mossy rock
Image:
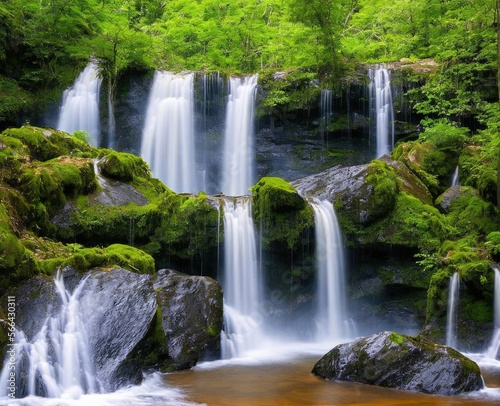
<point>45,144</point>
<point>411,223</point>
<point>283,213</point>
<point>382,178</point>
<point>123,166</point>
<point>392,360</point>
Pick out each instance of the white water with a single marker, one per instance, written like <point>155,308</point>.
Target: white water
<point>242,281</point>
<point>451,319</point>
<point>168,135</point>
<point>326,111</point>
<point>330,275</point>
<point>494,347</point>
<point>381,110</point>
<point>454,179</point>
<point>58,357</point>
<point>239,154</point>
<point>80,105</point>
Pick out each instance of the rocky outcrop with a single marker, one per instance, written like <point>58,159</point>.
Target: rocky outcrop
<point>124,313</point>
<point>396,361</point>
<point>191,316</point>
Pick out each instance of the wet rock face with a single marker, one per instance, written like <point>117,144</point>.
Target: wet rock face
<point>396,361</point>
<point>120,311</point>
<point>191,316</point>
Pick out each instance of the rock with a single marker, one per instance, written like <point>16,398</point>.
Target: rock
<point>451,194</point>
<point>401,362</point>
<point>191,316</point>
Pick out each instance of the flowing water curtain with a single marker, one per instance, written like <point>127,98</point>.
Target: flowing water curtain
<point>243,289</point>
<point>57,362</point>
<point>168,137</point>
<point>331,314</point>
<point>326,112</point>
<point>451,318</point>
<point>239,154</point>
<point>80,105</point>
<point>381,111</point>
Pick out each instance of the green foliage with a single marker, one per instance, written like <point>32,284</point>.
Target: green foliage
<point>281,211</point>
<point>492,244</point>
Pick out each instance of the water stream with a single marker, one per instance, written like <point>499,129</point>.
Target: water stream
<point>242,280</point>
<point>381,110</point>
<point>80,105</point>
<point>330,313</point>
<point>239,152</point>
<point>451,318</point>
<point>168,137</point>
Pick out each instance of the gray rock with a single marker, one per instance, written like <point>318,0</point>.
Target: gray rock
<point>396,361</point>
<point>191,316</point>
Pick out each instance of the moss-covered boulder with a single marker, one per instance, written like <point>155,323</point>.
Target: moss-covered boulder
<point>397,361</point>
<point>281,211</point>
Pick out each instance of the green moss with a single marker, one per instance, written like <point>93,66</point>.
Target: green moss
<point>130,258</point>
<point>396,338</point>
<point>411,223</point>
<point>45,144</point>
<point>123,166</point>
<point>385,188</point>
<point>281,211</point>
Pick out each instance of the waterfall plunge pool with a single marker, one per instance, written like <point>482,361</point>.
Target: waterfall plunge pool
<point>277,376</point>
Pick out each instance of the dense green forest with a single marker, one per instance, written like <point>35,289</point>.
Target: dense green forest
<point>45,43</point>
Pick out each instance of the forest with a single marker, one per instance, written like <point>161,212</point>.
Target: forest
<point>44,44</point>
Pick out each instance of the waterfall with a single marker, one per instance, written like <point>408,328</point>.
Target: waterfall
<point>111,122</point>
<point>168,135</point>
<point>326,111</point>
<point>381,110</point>
<point>242,282</point>
<point>451,319</point>
<point>454,179</point>
<point>239,154</point>
<point>80,105</point>
<point>330,280</point>
<point>494,347</point>
<point>58,360</point>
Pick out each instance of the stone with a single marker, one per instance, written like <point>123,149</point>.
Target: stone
<point>397,361</point>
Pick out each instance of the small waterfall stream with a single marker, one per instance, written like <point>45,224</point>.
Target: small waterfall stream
<point>492,351</point>
<point>326,111</point>
<point>381,110</point>
<point>57,362</point>
<point>168,136</point>
<point>331,313</point>
<point>451,319</point>
<point>242,281</point>
<point>454,179</point>
<point>80,105</point>
<point>239,154</point>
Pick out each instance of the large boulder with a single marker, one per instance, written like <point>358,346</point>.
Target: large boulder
<point>396,361</point>
<point>129,320</point>
<point>191,317</point>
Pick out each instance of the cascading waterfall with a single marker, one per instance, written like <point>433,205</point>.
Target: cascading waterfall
<point>492,351</point>
<point>381,110</point>
<point>168,135</point>
<point>80,105</point>
<point>331,312</point>
<point>326,111</point>
<point>242,282</point>
<point>239,154</point>
<point>451,319</point>
<point>58,359</point>
<point>454,179</point>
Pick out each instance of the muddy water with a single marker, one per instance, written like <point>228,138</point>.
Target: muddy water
<point>292,384</point>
